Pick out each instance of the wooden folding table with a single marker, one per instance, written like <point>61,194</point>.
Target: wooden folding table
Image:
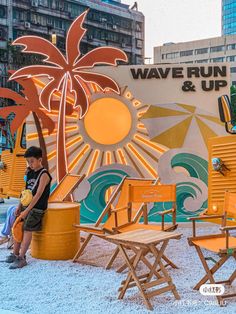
<point>142,242</point>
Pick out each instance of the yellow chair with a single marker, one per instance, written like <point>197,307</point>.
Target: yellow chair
<point>222,244</point>
<point>127,214</point>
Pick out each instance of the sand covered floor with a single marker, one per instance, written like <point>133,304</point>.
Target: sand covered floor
<point>63,287</point>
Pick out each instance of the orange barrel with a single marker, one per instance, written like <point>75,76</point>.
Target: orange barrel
<point>58,240</point>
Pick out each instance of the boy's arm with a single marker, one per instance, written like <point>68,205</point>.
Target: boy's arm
<point>18,209</point>
<point>44,180</point>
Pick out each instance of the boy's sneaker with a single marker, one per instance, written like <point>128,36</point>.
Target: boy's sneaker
<point>11,258</point>
<point>20,262</point>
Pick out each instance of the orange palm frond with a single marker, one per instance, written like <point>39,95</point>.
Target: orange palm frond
<point>101,55</point>
<point>103,81</point>
<point>81,95</point>
<point>38,45</point>
<point>21,112</point>
<point>36,70</point>
<point>73,39</point>
<point>46,94</point>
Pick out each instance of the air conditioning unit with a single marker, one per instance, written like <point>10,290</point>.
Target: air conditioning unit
<point>27,24</point>
<point>103,20</point>
<point>123,45</point>
<point>35,3</point>
<point>114,26</point>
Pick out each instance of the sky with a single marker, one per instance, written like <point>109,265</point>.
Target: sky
<point>178,20</point>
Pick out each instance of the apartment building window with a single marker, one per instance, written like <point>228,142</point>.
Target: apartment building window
<point>233,70</point>
<point>43,3</point>
<point>186,53</point>
<point>217,48</point>
<point>230,25</point>
<point>2,12</point>
<point>139,43</point>
<point>20,15</point>
<point>231,58</point>
<point>202,61</point>
<point>231,46</point>
<point>163,56</point>
<point>172,55</point>
<point>229,6</point>
<point>201,51</point>
<point>219,59</point>
<point>234,83</point>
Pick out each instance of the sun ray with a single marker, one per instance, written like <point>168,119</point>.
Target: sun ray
<point>146,164</point>
<point>134,163</point>
<point>51,155</point>
<point>141,113</point>
<point>85,162</point>
<point>76,148</point>
<point>149,143</point>
<point>141,126</point>
<point>78,157</point>
<point>108,158</point>
<point>33,136</point>
<point>54,113</point>
<point>93,162</point>
<point>114,156</point>
<point>74,141</point>
<point>122,157</point>
<point>143,133</point>
<point>102,158</point>
<point>145,151</point>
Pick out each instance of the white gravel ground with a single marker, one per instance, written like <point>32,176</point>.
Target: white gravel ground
<point>63,287</point>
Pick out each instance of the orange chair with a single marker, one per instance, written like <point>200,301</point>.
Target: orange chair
<point>223,244</point>
<point>144,194</point>
<point>119,196</point>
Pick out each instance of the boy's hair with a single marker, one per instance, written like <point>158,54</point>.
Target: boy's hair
<point>33,151</point>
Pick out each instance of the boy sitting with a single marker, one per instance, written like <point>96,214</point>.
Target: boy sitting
<point>38,181</point>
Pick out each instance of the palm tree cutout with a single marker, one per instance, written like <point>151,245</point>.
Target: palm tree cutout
<point>68,73</point>
<point>25,104</point>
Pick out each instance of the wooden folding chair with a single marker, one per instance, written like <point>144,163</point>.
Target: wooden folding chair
<point>223,244</point>
<point>144,194</point>
<point>120,196</point>
<point>66,187</point>
<point>125,217</point>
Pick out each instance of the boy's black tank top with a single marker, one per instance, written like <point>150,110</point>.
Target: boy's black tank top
<point>31,178</point>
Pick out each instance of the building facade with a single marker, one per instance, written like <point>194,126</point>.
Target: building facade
<point>217,49</point>
<point>109,22</point>
<point>228,17</point>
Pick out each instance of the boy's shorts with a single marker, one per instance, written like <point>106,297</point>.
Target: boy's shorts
<point>33,222</point>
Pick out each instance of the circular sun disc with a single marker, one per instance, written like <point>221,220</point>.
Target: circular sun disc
<point>108,121</point>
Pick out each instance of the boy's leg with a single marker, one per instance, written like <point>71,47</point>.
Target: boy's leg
<point>20,260</point>
<point>25,243</point>
<point>13,256</point>
<point>16,248</point>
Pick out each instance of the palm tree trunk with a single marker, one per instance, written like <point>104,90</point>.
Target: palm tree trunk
<point>42,143</point>
<point>61,141</point>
